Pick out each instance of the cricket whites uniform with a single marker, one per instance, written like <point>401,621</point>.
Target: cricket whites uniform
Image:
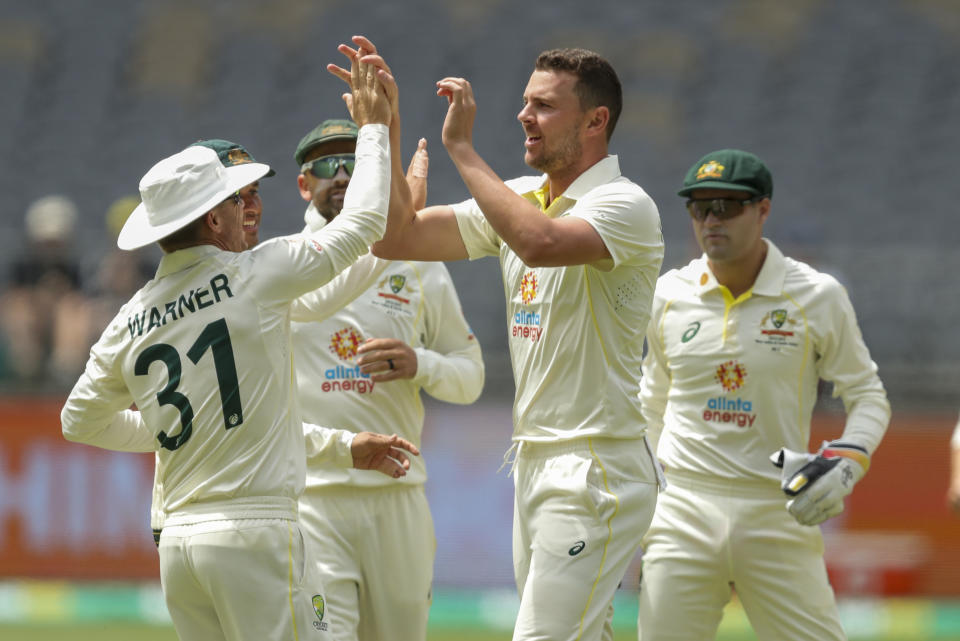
<point>585,482</point>
<point>729,382</point>
<point>373,534</point>
<point>203,350</point>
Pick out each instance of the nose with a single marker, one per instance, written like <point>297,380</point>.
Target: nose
<point>524,115</point>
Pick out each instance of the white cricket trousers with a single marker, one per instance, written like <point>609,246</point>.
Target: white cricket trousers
<point>580,510</point>
<point>374,549</point>
<point>710,537</point>
<point>241,580</point>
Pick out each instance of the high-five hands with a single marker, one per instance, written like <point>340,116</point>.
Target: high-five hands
<point>462,109</point>
<point>366,60</point>
<point>385,454</point>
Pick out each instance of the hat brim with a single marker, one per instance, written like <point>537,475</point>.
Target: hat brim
<point>717,184</point>
<point>138,232</point>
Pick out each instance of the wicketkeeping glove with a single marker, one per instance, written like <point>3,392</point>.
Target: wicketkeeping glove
<point>819,482</point>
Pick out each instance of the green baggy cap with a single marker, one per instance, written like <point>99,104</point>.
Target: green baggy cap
<point>729,169</point>
<point>325,132</point>
<point>230,153</point>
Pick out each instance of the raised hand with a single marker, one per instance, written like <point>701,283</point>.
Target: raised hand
<point>365,53</point>
<point>458,125</point>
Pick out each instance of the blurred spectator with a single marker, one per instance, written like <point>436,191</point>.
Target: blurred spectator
<point>953,492</point>
<point>120,273</point>
<point>43,312</point>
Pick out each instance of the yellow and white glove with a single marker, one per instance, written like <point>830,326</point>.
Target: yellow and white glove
<point>818,483</point>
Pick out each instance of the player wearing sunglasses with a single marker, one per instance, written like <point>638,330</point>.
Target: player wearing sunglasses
<point>737,343</point>
<point>363,368</point>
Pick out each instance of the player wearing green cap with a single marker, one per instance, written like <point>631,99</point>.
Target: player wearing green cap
<point>364,368</point>
<point>737,343</point>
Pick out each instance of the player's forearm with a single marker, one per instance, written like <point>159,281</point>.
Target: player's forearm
<point>868,416</point>
<point>454,377</point>
<point>363,218</point>
<point>122,431</point>
<point>519,223</point>
<point>328,446</point>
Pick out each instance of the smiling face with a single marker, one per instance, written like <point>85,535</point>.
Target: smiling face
<point>326,194</point>
<point>252,212</point>
<point>731,240</point>
<point>553,121</point>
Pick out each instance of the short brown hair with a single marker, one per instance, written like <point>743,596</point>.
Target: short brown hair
<point>183,237</point>
<point>597,82</point>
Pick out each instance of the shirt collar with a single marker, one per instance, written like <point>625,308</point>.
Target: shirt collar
<point>602,172</point>
<point>769,281</point>
<point>184,258</point>
<point>313,218</point>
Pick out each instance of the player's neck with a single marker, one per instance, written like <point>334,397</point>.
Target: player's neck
<point>739,275</point>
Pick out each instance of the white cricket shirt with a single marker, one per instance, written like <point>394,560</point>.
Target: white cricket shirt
<point>729,382</point>
<point>412,301</point>
<point>576,332</point>
<point>203,350</point>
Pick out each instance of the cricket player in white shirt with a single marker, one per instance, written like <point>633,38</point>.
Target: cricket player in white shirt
<point>737,343</point>
<point>580,249</point>
<point>203,350</point>
<point>363,368</point>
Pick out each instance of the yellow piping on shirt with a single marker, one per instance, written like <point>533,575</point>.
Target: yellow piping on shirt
<point>293,615</point>
<point>728,302</point>
<point>803,361</point>
<point>606,544</point>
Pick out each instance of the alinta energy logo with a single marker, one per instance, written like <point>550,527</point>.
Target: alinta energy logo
<point>319,607</point>
<point>527,324</point>
<point>731,376</point>
<point>528,288</point>
<point>344,344</point>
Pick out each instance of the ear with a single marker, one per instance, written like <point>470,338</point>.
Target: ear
<point>598,119</point>
<point>304,188</point>
<point>213,220</point>
<point>764,207</point>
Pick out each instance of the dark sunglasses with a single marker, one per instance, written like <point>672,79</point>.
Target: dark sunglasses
<point>328,166</point>
<point>721,208</point>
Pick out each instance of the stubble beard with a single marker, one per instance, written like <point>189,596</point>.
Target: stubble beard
<point>558,159</point>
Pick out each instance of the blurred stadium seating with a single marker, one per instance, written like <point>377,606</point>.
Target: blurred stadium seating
<point>854,105</point>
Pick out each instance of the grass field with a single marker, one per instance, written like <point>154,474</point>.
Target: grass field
<point>60,611</point>
<point>143,632</point>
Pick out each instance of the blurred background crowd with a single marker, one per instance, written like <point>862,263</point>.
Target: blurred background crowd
<point>855,106</point>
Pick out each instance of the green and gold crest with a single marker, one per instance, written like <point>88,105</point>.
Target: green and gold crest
<point>397,281</point>
<point>779,317</point>
<point>318,606</point>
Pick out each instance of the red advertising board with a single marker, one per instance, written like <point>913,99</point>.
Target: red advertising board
<point>69,510</point>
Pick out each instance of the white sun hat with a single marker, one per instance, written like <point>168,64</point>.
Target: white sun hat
<point>180,189</point>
